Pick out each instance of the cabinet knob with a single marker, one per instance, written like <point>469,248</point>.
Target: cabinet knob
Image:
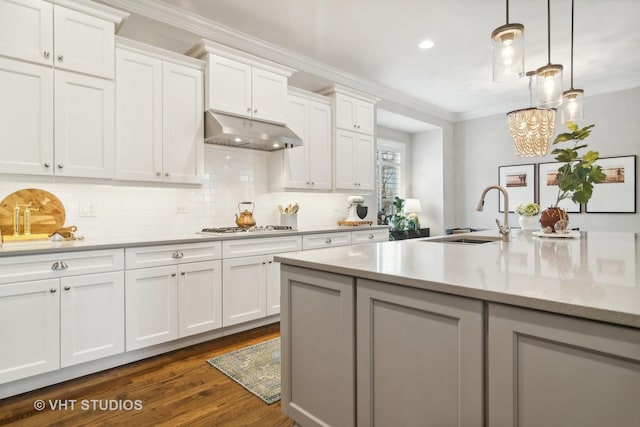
<point>313,183</point>
<point>60,58</point>
<point>358,127</point>
<point>183,273</point>
<point>328,240</point>
<point>66,288</point>
<point>166,174</point>
<point>370,236</point>
<point>45,54</point>
<point>173,274</point>
<point>60,165</point>
<point>249,110</point>
<point>46,165</point>
<point>255,111</point>
<point>53,290</point>
<point>158,174</point>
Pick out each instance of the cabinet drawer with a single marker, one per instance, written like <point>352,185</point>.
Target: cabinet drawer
<point>156,256</point>
<point>261,246</point>
<point>35,267</point>
<point>369,236</point>
<point>325,240</point>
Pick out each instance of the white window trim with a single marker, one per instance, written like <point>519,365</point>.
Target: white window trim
<point>401,147</point>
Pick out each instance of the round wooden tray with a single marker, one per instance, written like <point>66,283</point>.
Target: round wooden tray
<point>47,211</point>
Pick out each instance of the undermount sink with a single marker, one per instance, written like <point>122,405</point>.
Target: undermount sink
<point>473,240</point>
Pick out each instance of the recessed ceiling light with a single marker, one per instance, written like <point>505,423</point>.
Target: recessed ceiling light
<point>276,145</point>
<point>426,44</point>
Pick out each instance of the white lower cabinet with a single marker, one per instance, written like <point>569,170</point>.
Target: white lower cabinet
<point>370,236</point>
<point>172,301</point>
<point>251,278</point>
<point>550,370</point>
<point>58,311</point>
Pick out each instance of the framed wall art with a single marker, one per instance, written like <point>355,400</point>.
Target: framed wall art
<point>617,193</point>
<point>548,188</point>
<point>519,181</point>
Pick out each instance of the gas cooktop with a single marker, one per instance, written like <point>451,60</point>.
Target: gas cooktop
<point>218,230</point>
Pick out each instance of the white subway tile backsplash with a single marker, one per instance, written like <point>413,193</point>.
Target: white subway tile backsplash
<point>146,210</point>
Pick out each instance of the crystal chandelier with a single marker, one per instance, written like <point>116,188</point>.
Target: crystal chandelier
<point>531,129</point>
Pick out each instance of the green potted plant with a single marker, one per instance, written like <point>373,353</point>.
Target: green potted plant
<point>528,215</point>
<point>575,178</point>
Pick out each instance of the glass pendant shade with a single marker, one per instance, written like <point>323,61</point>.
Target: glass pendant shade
<point>531,130</point>
<point>572,106</point>
<point>549,86</point>
<point>508,52</point>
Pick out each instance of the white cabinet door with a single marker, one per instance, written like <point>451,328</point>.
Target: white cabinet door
<point>364,163</point>
<point>29,329</point>
<point>273,287</point>
<point>269,96</point>
<point>419,357</point>
<point>199,297</point>
<point>26,108</point>
<point>354,161</point>
<point>182,124</point>
<point>319,146</point>
<point>138,117</point>
<point>550,370</point>
<point>91,317</point>
<point>296,160</point>
<point>26,30</point>
<point>83,43</point>
<point>84,126</point>
<point>244,295</point>
<point>151,301</point>
<point>354,114</point>
<point>229,86</point>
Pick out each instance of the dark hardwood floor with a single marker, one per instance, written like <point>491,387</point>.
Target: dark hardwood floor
<point>174,389</point>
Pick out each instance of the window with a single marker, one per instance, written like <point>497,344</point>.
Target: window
<point>390,173</point>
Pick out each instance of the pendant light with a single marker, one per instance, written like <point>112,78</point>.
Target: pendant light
<point>508,51</point>
<point>572,105</point>
<point>549,81</point>
<point>531,129</point>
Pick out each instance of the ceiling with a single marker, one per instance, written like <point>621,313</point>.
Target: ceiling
<point>376,40</point>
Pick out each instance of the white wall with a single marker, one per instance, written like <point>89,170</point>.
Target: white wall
<point>482,145</point>
<point>427,178</point>
<point>146,210</point>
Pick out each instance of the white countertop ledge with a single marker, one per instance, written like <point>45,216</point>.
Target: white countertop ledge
<point>594,277</point>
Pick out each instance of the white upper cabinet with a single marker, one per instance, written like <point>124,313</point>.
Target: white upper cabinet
<point>242,84</point>
<point>354,161</point>
<point>247,91</point>
<point>354,114</point>
<point>308,166</point>
<point>84,131</point>
<point>44,33</point>
<point>159,109</point>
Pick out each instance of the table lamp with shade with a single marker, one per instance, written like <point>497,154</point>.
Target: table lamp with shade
<point>411,208</point>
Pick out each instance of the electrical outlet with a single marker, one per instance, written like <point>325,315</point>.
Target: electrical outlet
<point>182,210</point>
<point>88,210</point>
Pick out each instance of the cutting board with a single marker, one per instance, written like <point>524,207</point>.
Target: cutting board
<point>49,216</point>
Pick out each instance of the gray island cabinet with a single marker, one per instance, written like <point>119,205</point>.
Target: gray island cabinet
<point>389,334</point>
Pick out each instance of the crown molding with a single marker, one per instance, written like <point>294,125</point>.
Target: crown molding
<point>208,29</point>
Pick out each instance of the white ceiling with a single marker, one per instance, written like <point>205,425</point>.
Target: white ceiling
<point>377,40</point>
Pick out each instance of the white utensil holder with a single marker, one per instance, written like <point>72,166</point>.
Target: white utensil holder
<point>290,220</point>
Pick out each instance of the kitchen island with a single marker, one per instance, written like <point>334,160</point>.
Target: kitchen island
<point>534,331</point>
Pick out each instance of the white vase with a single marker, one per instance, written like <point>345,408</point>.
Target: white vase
<point>529,222</point>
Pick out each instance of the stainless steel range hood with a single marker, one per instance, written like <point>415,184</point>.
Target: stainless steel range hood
<point>233,131</point>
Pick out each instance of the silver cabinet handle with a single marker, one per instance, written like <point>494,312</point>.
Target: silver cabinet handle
<point>60,58</point>
<point>55,265</point>
<point>370,236</point>
<point>328,240</point>
<point>45,54</point>
<point>46,165</point>
<point>53,290</point>
<point>177,254</point>
<point>66,288</point>
<point>60,165</point>
<point>64,265</point>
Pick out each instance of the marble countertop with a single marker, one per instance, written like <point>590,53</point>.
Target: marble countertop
<point>596,276</point>
<point>56,246</point>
